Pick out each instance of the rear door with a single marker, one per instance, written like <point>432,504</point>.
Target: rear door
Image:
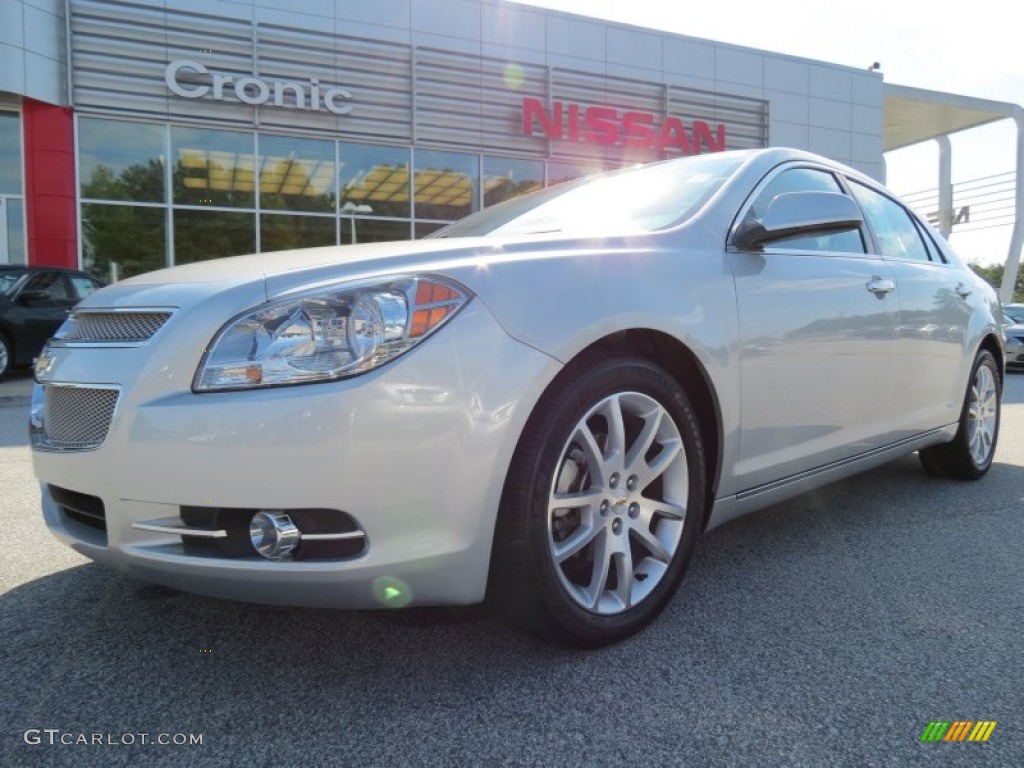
<point>817,334</point>
<point>934,306</point>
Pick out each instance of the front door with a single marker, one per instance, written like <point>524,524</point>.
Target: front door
<point>817,345</point>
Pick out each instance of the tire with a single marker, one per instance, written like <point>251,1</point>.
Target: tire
<point>601,565</point>
<point>970,454</point>
<point>6,358</point>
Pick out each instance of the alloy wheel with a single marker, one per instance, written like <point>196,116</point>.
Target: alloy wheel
<point>982,415</point>
<point>617,506</point>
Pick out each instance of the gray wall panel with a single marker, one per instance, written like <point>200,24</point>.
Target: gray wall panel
<point>455,99</point>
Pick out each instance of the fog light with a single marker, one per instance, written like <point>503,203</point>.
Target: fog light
<point>273,535</point>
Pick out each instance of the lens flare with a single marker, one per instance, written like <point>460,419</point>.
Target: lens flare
<point>514,76</point>
<point>391,592</point>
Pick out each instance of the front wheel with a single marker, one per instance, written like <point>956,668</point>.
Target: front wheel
<point>602,504</point>
<point>970,454</point>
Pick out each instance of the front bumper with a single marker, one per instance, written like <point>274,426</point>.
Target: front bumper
<point>415,452</point>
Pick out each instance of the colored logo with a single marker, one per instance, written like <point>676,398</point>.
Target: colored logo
<point>958,730</point>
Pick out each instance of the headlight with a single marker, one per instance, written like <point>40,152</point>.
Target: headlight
<point>326,334</point>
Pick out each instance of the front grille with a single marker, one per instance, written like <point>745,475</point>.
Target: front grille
<point>77,417</point>
<point>131,327</point>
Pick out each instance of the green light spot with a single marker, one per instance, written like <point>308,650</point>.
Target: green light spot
<point>391,592</point>
<point>514,76</point>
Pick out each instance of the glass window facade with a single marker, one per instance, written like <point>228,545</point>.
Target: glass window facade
<point>282,233</point>
<point>10,153</point>
<point>230,192</point>
<point>446,185</point>
<point>214,168</point>
<point>121,161</point>
<point>297,174</point>
<point>508,177</point>
<point>201,235</point>
<point>123,240</point>
<point>374,181</point>
<point>12,205</point>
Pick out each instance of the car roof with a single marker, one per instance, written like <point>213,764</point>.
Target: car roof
<point>42,268</point>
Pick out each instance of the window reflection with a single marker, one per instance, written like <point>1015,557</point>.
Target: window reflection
<point>120,160</point>
<point>280,232</point>
<point>10,153</point>
<point>296,174</point>
<point>16,232</point>
<point>201,235</point>
<point>506,177</point>
<point>213,167</point>
<point>564,170</point>
<point>374,181</point>
<point>424,228</point>
<point>119,241</point>
<point>446,184</point>
<point>372,231</point>
<point>363,192</point>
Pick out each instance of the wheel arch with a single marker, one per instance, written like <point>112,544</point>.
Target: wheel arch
<point>991,343</point>
<point>684,366</point>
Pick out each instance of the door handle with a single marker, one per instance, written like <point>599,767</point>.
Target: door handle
<point>963,291</point>
<point>880,286</point>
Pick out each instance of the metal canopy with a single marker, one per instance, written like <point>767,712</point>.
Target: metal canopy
<point>913,115</point>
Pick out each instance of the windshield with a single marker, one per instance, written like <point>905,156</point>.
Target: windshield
<point>640,199</point>
<point>9,278</point>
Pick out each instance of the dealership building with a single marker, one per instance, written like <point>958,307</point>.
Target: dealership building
<point>136,134</point>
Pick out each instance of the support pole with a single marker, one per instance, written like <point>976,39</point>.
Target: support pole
<point>945,186</point>
<point>1017,239</point>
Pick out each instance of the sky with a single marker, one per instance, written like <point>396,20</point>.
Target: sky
<point>970,48</point>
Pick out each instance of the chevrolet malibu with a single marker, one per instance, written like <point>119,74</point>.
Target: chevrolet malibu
<point>544,404</point>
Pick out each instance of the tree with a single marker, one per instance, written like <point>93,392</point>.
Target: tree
<point>993,275</point>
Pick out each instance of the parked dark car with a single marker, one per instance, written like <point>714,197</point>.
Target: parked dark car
<point>34,301</point>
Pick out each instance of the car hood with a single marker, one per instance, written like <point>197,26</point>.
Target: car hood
<point>282,263</point>
<point>260,277</point>
<point>256,278</point>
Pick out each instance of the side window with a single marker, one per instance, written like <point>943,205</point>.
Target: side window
<point>807,180</point>
<point>898,235</point>
<point>83,286</point>
<point>52,282</point>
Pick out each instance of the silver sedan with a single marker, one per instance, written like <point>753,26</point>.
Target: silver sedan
<point>545,403</point>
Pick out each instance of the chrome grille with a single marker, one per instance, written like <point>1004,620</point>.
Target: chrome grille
<point>112,327</point>
<point>77,418</point>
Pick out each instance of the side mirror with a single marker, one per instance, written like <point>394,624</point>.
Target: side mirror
<point>799,213</point>
<point>33,297</point>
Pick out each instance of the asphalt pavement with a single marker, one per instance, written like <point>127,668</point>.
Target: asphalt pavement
<point>826,631</point>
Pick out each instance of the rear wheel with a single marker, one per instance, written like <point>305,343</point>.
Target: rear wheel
<point>6,359</point>
<point>601,506</point>
<point>970,454</point>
